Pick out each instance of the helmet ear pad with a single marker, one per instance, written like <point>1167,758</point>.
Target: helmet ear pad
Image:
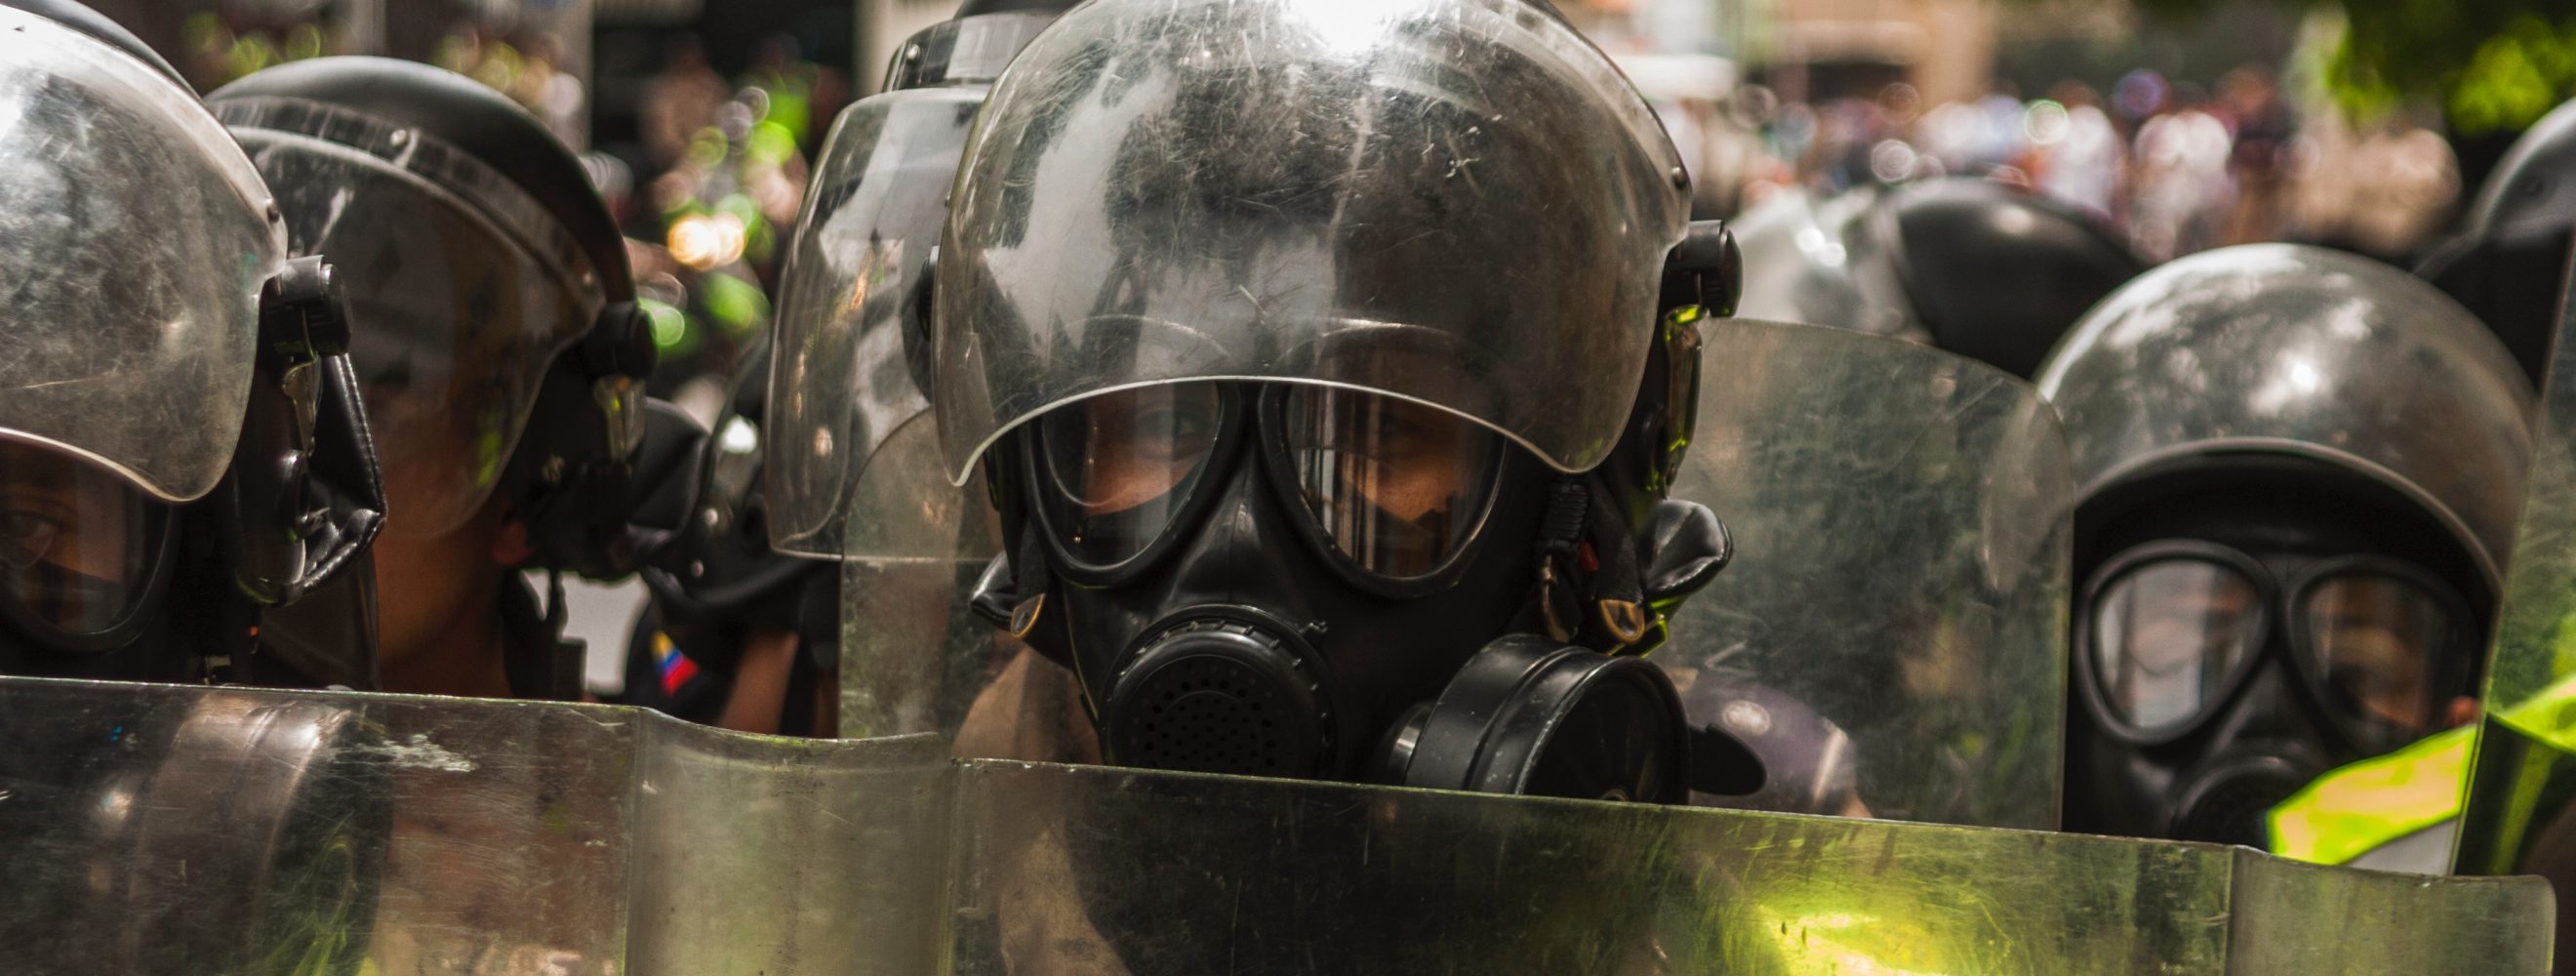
<point>304,493</point>
<point>566,481</point>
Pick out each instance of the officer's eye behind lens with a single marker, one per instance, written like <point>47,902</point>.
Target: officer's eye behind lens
<point>1118,466</point>
<point>1397,487</point>
<point>2375,639</point>
<point>25,536</point>
<point>2167,635</point>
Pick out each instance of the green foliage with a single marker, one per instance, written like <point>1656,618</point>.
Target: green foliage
<point>2516,76</point>
<point>2491,65</point>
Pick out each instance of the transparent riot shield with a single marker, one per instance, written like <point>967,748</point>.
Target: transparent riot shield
<point>164,829</point>
<point>254,831</point>
<point>1890,638</point>
<point>1888,642</point>
<point>2522,786</point>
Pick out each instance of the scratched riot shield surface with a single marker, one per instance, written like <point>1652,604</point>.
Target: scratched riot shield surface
<point>160,829</point>
<point>2515,817</point>
<point>1889,639</point>
<point>185,829</point>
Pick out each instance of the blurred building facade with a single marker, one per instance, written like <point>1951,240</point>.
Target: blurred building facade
<point>1817,49</point>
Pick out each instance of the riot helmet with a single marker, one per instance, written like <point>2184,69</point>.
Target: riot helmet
<point>495,326</point>
<point>183,454</point>
<point>1315,452</point>
<point>1972,266</point>
<point>2509,265</point>
<point>1246,393</point>
<point>494,333</point>
<point>2297,475</point>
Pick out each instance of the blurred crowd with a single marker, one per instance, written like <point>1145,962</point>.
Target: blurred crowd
<point>706,185</point>
<point>709,198</point>
<point>2178,167</point>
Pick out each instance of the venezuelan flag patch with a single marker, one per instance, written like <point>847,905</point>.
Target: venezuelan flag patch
<point>675,667</point>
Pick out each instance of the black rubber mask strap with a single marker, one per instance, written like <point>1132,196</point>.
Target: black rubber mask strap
<point>1552,607</point>
<point>1616,612</point>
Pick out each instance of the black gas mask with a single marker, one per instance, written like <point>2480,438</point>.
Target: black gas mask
<point>1297,580</point>
<point>83,554</point>
<point>2224,661</point>
<point>1315,581</point>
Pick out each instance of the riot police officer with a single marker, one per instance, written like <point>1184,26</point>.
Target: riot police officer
<point>738,633</point>
<point>1971,266</point>
<point>2298,472</point>
<point>497,341</point>
<point>1311,448</point>
<point>181,454</point>
<point>2509,266</point>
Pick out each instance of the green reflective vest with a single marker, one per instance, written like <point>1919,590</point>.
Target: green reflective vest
<point>2355,809</point>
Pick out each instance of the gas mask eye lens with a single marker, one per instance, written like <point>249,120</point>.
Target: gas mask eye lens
<point>2166,637</point>
<point>1119,466</point>
<point>1396,486</point>
<point>74,542</point>
<point>2373,639</point>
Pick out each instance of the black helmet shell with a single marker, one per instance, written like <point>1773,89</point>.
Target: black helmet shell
<point>1998,274</point>
<point>482,122</point>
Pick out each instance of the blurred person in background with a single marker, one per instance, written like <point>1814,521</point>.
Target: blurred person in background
<point>2261,125</point>
<point>2183,187</point>
<point>2381,188</point>
<point>682,101</point>
<point>2081,156</point>
<point>2509,264</point>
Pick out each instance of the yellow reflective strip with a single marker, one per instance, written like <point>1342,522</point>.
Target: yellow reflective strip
<point>2346,813</point>
<point>2549,716</point>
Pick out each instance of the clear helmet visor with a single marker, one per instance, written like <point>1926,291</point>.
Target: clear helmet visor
<point>847,421</point>
<point>78,544</point>
<point>453,324</point>
<point>2168,636</point>
<point>134,242</point>
<point>1141,206</point>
